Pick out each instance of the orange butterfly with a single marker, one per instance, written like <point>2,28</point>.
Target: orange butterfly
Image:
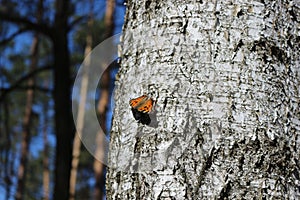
<point>142,104</point>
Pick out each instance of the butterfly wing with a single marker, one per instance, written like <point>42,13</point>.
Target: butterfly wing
<point>143,118</point>
<point>137,101</point>
<point>140,108</point>
<point>145,107</point>
<point>136,114</point>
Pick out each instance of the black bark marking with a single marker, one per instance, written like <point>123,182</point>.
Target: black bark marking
<point>185,27</point>
<point>275,51</point>
<point>224,194</point>
<point>165,103</point>
<point>240,13</point>
<point>239,45</point>
<point>147,4</point>
<point>278,53</point>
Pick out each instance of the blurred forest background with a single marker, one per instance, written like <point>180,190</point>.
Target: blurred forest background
<point>43,44</point>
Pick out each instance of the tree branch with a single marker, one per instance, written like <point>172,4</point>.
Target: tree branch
<point>33,87</point>
<point>21,80</point>
<point>5,73</point>
<point>40,27</point>
<point>12,36</point>
<point>76,21</point>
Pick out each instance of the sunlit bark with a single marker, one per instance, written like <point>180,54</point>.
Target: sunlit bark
<point>226,124</point>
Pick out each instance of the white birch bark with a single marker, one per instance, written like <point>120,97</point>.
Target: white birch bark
<point>225,75</point>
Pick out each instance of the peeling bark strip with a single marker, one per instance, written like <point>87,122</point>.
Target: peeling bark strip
<point>226,78</point>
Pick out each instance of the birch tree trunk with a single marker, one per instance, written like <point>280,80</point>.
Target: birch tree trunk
<point>226,124</point>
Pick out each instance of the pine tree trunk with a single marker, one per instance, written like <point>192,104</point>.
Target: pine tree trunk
<point>28,112</point>
<point>27,123</point>
<point>62,97</point>
<point>81,109</point>
<point>102,106</point>
<point>46,172</point>
<point>8,159</point>
<point>226,124</point>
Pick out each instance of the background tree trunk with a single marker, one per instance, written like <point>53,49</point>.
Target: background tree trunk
<point>8,162</point>
<point>46,170</point>
<point>225,77</point>
<point>28,111</point>
<point>64,127</point>
<point>81,106</point>
<point>26,125</point>
<point>102,107</point>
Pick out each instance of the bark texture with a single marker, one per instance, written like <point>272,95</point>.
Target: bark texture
<point>225,76</point>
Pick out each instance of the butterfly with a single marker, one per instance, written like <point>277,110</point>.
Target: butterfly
<point>140,108</point>
<point>142,104</point>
